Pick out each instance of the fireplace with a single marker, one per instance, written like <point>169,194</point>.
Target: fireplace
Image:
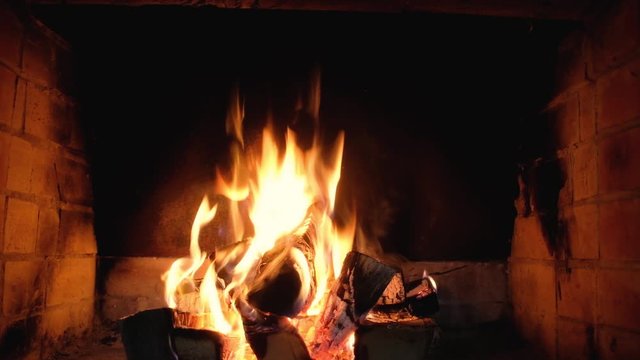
<point>491,149</point>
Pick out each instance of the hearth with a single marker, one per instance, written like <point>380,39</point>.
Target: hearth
<point>326,180</point>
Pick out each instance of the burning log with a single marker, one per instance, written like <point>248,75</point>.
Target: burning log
<point>146,335</point>
<point>422,299</point>
<point>228,257</point>
<point>394,292</point>
<point>272,337</point>
<point>361,283</point>
<point>161,334</point>
<point>418,299</point>
<point>285,283</point>
<point>200,344</point>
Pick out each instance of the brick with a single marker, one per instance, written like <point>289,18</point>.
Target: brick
<point>616,36</point>
<point>576,340</point>
<point>533,287</point>
<point>583,232</point>
<point>135,277</point>
<point>3,211</point>
<point>76,233</point>
<point>585,172</point>
<point>571,68</point>
<point>10,37</point>
<point>77,135</point>
<point>20,165</point>
<point>565,196</point>
<point>46,115</point>
<point>48,229</point>
<point>19,107</point>
<point>587,113</point>
<point>576,294</point>
<point>538,329</point>
<point>473,282</point>
<point>619,230</point>
<point>20,340</point>
<point>38,120</point>
<point>619,162</point>
<point>615,344</point>
<point>72,280</point>
<point>44,181</point>
<point>23,286</point>
<point>38,61</point>
<point>65,323</point>
<point>528,239</point>
<point>62,115</point>
<point>20,227</point>
<point>618,97</point>
<point>618,298</point>
<point>5,148</point>
<point>115,308</point>
<point>75,184</point>
<point>65,70</point>
<point>564,122</point>
<point>7,94</point>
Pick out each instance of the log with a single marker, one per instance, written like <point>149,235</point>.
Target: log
<point>163,334</point>
<point>228,257</point>
<point>360,285</point>
<point>271,337</point>
<point>418,299</point>
<point>285,283</point>
<point>394,292</point>
<point>422,299</point>
<point>200,344</point>
<point>146,335</point>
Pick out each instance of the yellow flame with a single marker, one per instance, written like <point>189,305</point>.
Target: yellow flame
<point>280,188</point>
<point>434,285</point>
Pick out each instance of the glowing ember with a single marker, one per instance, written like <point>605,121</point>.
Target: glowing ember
<point>280,188</point>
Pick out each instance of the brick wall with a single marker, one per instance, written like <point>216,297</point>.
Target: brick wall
<point>47,243</point>
<point>575,261</point>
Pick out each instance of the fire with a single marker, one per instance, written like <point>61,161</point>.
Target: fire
<point>287,191</point>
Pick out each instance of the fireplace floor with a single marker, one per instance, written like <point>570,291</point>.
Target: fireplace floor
<point>494,341</point>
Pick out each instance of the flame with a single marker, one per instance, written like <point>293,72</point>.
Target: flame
<point>351,342</point>
<point>434,285</point>
<point>285,191</point>
<point>427,278</point>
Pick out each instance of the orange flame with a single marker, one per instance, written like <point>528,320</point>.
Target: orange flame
<point>280,188</point>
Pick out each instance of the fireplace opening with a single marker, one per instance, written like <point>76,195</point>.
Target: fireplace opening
<point>432,107</point>
<point>489,159</point>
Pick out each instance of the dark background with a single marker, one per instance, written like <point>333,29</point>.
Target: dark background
<point>433,107</point>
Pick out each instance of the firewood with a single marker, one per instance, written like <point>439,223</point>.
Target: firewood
<point>271,337</point>
<point>420,300</point>
<point>362,281</point>
<point>146,335</point>
<point>228,257</point>
<point>200,344</point>
<point>285,283</point>
<point>394,293</point>
<point>167,334</point>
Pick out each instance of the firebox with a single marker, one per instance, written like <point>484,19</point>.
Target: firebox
<point>319,180</point>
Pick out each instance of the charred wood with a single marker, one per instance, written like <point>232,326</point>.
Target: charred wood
<point>394,292</point>
<point>146,335</point>
<point>285,283</point>
<point>360,285</point>
<point>272,337</point>
<point>164,334</point>
<point>199,344</point>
